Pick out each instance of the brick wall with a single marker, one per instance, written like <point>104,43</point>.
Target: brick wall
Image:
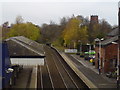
<point>110,53</point>
<point>107,53</point>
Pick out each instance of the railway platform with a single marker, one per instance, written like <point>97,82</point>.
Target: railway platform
<point>88,73</point>
<point>26,79</point>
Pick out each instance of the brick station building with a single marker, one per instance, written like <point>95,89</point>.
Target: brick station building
<point>109,53</point>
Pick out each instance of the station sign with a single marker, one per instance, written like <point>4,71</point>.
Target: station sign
<point>70,50</point>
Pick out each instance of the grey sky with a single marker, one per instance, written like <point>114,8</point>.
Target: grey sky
<point>43,12</point>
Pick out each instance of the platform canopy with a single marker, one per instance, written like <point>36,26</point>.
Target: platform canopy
<point>24,51</point>
<point>27,61</point>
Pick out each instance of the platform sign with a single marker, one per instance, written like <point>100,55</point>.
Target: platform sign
<point>70,50</point>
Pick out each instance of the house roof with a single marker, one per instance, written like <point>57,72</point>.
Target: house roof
<point>114,32</point>
<point>109,41</point>
<point>23,47</point>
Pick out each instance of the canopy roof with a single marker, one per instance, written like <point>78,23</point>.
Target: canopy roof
<point>23,47</point>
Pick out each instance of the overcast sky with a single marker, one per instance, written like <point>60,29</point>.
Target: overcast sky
<point>43,11</point>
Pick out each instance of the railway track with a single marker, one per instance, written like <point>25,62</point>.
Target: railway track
<point>56,73</point>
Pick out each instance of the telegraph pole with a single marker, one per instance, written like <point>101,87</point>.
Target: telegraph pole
<point>118,63</point>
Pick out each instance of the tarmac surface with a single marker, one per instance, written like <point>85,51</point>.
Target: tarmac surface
<point>91,73</point>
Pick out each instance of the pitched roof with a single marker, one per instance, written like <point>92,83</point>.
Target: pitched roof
<point>22,47</point>
<point>114,32</point>
<point>109,41</point>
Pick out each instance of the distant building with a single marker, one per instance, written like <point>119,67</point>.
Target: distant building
<point>94,19</point>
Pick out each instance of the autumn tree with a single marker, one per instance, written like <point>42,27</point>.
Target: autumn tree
<point>74,32</point>
<point>28,30</point>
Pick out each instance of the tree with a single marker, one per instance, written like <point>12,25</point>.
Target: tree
<point>19,19</point>
<point>98,30</point>
<point>5,24</point>
<point>71,30</point>
<point>5,29</point>
<point>74,32</point>
<point>64,21</point>
<point>50,32</point>
<point>28,30</point>
<point>52,22</point>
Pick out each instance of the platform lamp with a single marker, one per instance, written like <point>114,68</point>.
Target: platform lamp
<point>99,57</point>
<point>80,46</point>
<point>89,48</point>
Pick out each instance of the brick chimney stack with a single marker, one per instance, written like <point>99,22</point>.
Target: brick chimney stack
<point>94,19</point>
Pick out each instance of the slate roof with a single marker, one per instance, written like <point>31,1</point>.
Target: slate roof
<point>23,47</point>
<point>114,32</point>
<point>109,41</point>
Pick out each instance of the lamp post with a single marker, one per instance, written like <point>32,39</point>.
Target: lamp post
<point>89,48</point>
<point>80,45</point>
<point>99,56</point>
<point>118,79</point>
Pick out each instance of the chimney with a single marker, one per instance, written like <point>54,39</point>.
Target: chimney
<point>94,19</point>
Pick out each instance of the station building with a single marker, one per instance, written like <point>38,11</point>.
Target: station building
<point>24,51</point>
<point>109,52</point>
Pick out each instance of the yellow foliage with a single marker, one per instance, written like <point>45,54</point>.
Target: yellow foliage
<point>74,32</point>
<point>28,30</point>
